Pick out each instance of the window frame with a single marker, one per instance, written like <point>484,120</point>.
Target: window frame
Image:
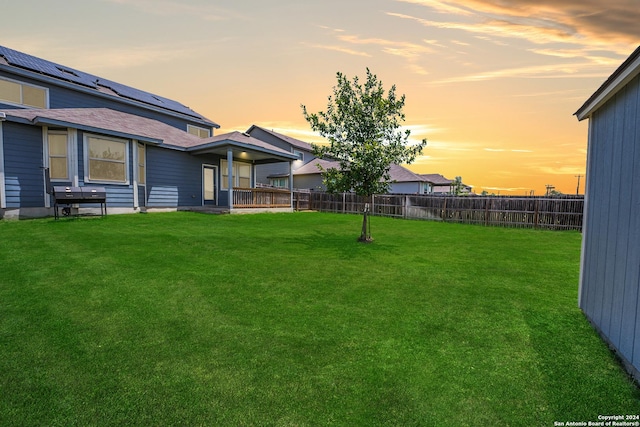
<point>87,159</point>
<point>199,130</point>
<point>300,155</point>
<point>67,156</point>
<point>275,182</point>
<point>224,168</point>
<point>22,85</point>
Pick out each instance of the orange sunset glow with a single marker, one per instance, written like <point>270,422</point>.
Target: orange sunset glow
<point>491,84</point>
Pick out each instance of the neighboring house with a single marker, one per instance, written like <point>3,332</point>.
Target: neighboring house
<point>609,273</point>
<point>434,183</point>
<point>309,176</point>
<point>278,174</point>
<point>403,180</point>
<point>145,150</point>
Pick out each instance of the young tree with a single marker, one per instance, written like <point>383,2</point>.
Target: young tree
<point>363,127</point>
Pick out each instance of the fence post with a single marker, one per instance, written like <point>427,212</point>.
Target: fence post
<point>486,212</point>
<point>405,207</point>
<point>444,210</point>
<point>535,213</point>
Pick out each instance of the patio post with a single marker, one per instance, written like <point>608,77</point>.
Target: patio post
<point>230,176</point>
<point>291,181</point>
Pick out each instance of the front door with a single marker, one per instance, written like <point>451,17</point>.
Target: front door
<point>209,185</point>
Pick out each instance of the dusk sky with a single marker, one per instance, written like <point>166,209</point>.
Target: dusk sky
<point>491,84</point>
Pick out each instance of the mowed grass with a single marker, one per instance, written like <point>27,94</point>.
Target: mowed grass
<point>285,319</point>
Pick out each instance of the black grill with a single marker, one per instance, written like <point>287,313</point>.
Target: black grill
<point>66,196</point>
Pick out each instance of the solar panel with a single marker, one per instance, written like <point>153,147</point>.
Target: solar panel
<point>32,63</point>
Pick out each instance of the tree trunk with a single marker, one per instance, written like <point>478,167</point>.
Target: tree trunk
<point>365,236</point>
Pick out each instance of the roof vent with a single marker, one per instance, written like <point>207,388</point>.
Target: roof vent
<point>246,134</point>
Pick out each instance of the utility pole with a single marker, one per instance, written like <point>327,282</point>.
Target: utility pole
<point>578,189</point>
<point>549,188</point>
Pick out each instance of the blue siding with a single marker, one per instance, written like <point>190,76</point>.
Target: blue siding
<point>611,259</point>
<point>24,178</point>
<point>174,178</point>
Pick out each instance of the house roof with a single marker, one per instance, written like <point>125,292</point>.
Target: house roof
<point>15,61</point>
<point>104,120</point>
<point>396,172</point>
<point>289,140</point>
<point>401,174</point>
<point>436,178</point>
<point>312,167</point>
<point>116,123</point>
<point>242,144</point>
<point>629,69</point>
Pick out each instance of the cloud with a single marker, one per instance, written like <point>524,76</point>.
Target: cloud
<point>536,71</point>
<point>440,6</point>
<point>411,52</point>
<point>543,21</point>
<point>562,170</point>
<point>336,48</point>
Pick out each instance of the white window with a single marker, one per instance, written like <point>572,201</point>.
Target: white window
<point>58,155</point>
<point>241,174</point>
<point>106,159</point>
<point>14,92</point>
<point>142,164</point>
<point>279,182</point>
<point>300,154</point>
<point>198,131</point>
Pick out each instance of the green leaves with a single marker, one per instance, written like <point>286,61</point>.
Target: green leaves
<point>362,124</point>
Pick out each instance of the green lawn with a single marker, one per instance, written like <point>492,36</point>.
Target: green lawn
<point>285,319</point>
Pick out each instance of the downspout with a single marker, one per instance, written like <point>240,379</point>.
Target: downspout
<point>230,176</point>
<point>3,198</point>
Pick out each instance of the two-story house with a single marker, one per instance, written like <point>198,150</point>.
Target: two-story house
<point>147,151</point>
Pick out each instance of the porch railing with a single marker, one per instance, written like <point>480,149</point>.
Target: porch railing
<point>261,198</point>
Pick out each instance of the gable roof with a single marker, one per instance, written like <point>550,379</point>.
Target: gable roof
<point>107,121</point>
<point>626,72</point>
<point>312,167</point>
<point>436,178</point>
<point>241,141</point>
<point>130,126</point>
<point>401,174</point>
<point>396,172</point>
<point>22,63</point>
<point>289,140</point>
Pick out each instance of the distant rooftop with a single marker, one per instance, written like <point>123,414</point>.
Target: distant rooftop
<point>293,141</point>
<point>13,58</point>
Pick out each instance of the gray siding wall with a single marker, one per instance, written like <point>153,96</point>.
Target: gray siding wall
<point>404,188</point>
<point>282,168</point>
<point>611,258</point>
<point>310,182</point>
<point>24,178</point>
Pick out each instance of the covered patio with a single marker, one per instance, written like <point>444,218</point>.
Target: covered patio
<point>239,151</point>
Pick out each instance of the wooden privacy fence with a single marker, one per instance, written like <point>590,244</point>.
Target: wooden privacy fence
<point>556,213</point>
